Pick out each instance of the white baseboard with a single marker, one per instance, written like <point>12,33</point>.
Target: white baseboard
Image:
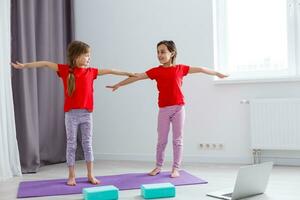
<point>281,157</point>
<point>289,161</point>
<point>130,157</point>
<point>278,160</point>
<point>186,158</point>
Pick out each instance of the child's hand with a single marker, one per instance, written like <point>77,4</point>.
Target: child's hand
<point>221,75</point>
<point>114,87</point>
<point>18,65</point>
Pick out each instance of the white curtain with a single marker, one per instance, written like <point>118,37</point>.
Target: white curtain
<point>9,153</point>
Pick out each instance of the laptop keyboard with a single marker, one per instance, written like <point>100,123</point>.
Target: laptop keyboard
<point>227,195</point>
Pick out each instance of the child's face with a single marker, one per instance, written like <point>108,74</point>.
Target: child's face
<point>83,59</point>
<point>163,54</point>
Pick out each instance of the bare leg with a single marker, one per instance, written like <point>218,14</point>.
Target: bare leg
<point>91,177</point>
<point>71,179</point>
<point>155,171</point>
<point>175,173</point>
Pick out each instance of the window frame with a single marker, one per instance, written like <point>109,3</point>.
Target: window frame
<point>221,44</point>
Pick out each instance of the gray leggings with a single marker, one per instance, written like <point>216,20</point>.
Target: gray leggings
<point>83,119</point>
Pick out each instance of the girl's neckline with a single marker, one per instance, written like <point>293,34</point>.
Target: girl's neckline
<point>76,67</point>
<point>172,66</point>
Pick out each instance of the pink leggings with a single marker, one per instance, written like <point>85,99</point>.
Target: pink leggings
<point>175,115</point>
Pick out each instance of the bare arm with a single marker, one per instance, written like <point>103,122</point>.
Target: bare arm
<point>102,72</point>
<point>37,64</point>
<point>206,71</point>
<point>129,80</point>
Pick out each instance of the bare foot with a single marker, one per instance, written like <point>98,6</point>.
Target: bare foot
<point>93,180</point>
<point>175,173</point>
<point>71,181</point>
<point>155,171</point>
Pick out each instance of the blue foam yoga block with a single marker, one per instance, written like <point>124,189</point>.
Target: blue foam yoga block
<point>108,192</point>
<point>158,190</point>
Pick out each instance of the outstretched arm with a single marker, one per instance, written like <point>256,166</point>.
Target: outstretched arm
<point>115,72</point>
<point>50,65</point>
<point>129,80</point>
<point>206,71</point>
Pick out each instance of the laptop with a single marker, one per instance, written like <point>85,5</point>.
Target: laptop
<point>251,180</point>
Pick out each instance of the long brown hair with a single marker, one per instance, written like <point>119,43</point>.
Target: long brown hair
<point>75,49</point>
<point>171,47</point>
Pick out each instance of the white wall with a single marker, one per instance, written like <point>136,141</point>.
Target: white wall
<point>123,35</point>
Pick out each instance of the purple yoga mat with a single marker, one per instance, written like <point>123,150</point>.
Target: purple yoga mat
<point>121,181</point>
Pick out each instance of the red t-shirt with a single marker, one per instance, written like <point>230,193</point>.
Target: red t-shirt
<point>83,96</point>
<point>169,82</point>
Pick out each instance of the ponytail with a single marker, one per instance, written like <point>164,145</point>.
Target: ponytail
<point>71,81</point>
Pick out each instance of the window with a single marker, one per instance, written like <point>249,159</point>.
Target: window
<point>257,39</point>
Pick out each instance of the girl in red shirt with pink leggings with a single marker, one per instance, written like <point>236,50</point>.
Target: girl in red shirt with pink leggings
<point>78,80</point>
<point>169,77</point>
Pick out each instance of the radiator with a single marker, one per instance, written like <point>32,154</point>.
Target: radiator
<point>275,124</point>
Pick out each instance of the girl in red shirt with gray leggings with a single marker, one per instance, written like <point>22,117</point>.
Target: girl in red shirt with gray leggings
<point>169,77</point>
<point>78,80</point>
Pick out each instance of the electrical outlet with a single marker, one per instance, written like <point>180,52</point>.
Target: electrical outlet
<point>211,146</point>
